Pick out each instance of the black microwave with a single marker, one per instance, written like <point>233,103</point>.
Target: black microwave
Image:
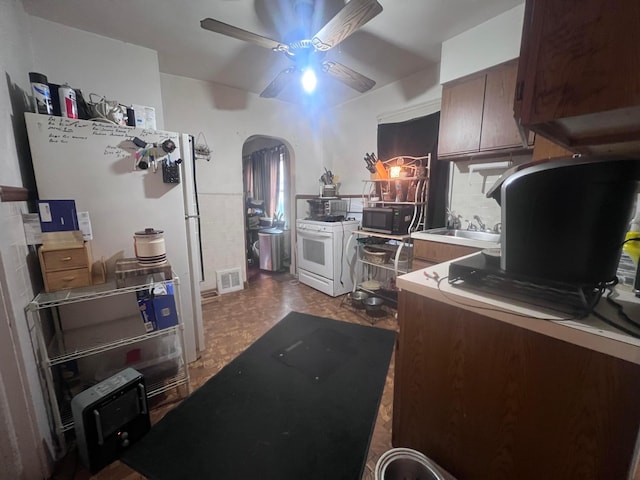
<point>394,220</point>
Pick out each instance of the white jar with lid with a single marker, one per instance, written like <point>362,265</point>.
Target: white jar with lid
<point>149,246</point>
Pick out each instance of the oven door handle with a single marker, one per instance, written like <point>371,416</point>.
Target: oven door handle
<point>312,234</point>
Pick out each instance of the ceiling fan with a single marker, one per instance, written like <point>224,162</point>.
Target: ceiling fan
<point>308,51</point>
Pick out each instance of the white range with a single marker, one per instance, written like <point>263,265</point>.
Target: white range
<point>323,262</point>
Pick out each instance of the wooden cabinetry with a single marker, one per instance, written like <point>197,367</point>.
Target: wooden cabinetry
<point>545,149</point>
<point>431,253</point>
<point>65,267</point>
<point>499,129</point>
<point>477,114</point>
<point>486,399</point>
<point>461,117</point>
<point>579,74</point>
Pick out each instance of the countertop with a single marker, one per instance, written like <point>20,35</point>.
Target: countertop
<point>589,332</point>
<point>467,242</point>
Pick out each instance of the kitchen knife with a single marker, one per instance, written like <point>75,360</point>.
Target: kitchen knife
<point>370,163</point>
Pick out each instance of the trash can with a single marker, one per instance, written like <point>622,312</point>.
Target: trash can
<point>271,246</point>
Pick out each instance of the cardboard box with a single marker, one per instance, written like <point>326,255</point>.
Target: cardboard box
<point>145,306</point>
<point>157,311</point>
<point>58,215</point>
<point>164,308</point>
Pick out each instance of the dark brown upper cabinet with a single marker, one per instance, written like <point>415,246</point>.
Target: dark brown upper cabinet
<point>476,117</point>
<point>579,74</point>
<point>461,117</point>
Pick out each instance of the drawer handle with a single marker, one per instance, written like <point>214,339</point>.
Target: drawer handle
<point>68,279</point>
<point>65,259</point>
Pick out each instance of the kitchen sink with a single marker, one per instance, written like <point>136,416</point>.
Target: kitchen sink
<point>469,234</point>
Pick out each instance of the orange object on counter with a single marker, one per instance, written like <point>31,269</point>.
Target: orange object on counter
<point>381,171</point>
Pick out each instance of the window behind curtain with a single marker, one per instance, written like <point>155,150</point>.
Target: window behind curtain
<point>416,138</point>
<point>266,177</point>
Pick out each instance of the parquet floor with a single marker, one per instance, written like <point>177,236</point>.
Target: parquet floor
<point>235,320</point>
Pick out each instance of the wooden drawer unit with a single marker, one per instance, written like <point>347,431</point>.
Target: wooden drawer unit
<point>65,279</point>
<point>64,259</point>
<point>64,268</point>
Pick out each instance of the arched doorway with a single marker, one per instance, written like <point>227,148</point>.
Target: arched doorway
<point>267,186</point>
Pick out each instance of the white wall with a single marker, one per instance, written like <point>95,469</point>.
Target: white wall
<point>228,117</point>
<point>94,64</point>
<point>490,43</point>
<point>23,419</point>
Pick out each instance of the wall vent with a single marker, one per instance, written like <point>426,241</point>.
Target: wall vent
<point>229,280</point>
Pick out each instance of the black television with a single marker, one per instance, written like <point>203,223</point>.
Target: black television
<point>564,220</point>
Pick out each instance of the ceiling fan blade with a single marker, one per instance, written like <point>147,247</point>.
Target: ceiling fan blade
<point>353,16</point>
<point>281,81</point>
<point>350,77</point>
<point>240,34</point>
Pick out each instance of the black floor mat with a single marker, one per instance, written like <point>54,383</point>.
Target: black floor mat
<point>265,415</point>
<point>318,354</point>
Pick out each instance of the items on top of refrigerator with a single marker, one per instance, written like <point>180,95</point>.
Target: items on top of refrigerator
<point>107,110</point>
<point>41,93</point>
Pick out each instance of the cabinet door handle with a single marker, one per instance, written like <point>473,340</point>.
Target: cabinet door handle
<point>519,91</point>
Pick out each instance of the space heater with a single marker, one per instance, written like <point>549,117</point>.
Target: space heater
<point>109,417</point>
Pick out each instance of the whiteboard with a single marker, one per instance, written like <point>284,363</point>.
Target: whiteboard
<point>93,163</point>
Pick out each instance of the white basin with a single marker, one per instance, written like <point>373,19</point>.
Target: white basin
<point>471,234</point>
<point>469,238</point>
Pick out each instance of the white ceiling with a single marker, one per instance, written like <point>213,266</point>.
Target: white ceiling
<point>405,38</point>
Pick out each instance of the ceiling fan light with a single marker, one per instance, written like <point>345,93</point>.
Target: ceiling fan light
<point>309,80</point>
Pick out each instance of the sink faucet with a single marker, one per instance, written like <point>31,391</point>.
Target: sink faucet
<point>453,221</point>
<point>481,225</point>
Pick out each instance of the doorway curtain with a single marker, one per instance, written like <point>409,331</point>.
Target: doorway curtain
<point>416,138</point>
<point>262,177</point>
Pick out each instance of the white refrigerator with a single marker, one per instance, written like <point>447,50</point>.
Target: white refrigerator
<point>95,164</point>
